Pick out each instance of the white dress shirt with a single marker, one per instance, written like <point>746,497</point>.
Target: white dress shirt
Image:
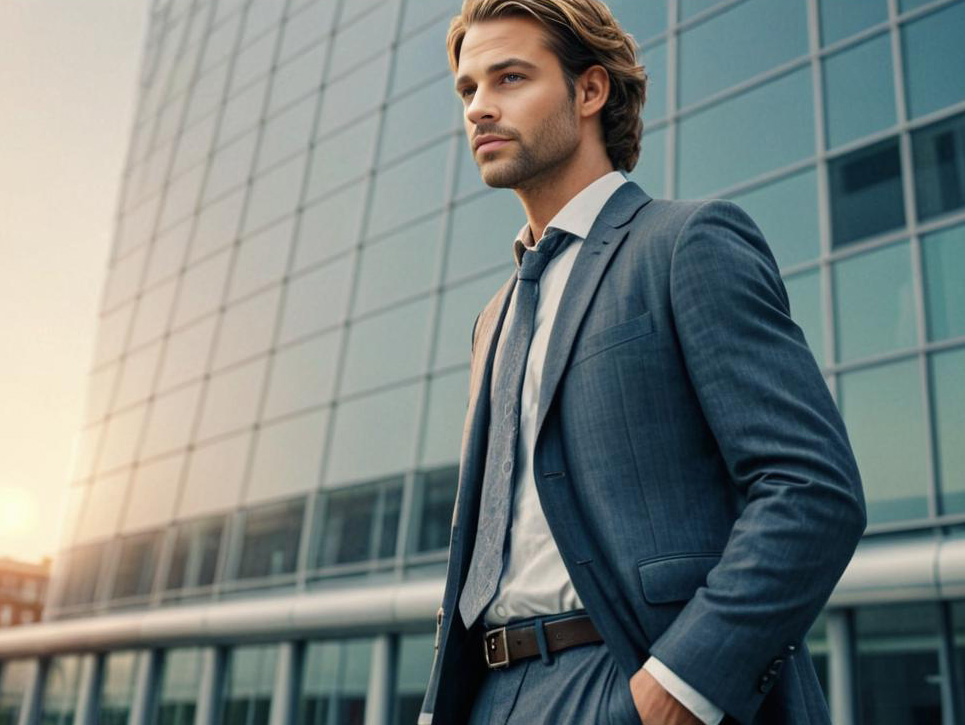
<point>535,580</point>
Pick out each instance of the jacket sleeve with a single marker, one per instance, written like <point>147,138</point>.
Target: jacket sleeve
<point>785,448</point>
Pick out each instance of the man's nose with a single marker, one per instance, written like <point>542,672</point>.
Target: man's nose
<point>481,108</point>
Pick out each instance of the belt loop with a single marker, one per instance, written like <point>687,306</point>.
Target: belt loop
<point>544,651</point>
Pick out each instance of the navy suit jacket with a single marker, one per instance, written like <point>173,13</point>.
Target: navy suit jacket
<point>691,463</point>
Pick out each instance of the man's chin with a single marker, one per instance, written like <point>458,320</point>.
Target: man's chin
<point>499,178</point>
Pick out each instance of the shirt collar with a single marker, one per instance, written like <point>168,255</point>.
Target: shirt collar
<point>576,216</point>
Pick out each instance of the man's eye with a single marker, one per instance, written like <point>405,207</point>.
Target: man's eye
<point>464,91</point>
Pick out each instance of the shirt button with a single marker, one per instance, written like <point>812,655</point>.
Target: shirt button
<point>500,610</point>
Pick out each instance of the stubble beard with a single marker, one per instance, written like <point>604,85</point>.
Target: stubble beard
<point>535,162</point>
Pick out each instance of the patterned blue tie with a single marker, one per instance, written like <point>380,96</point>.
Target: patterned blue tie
<point>486,565</point>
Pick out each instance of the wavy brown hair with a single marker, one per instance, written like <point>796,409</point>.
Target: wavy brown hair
<point>581,33</point>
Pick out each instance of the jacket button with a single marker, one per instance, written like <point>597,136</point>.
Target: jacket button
<point>765,684</point>
<point>776,665</point>
<point>791,648</point>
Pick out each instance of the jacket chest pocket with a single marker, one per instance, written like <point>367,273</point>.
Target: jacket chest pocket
<point>611,336</point>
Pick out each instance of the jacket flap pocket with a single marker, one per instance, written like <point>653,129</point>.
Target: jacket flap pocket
<point>675,578</point>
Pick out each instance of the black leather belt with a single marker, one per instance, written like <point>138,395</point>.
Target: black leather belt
<point>505,645</point>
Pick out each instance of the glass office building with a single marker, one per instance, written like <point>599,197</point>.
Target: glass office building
<point>261,498</point>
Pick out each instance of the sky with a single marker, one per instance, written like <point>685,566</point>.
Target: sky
<point>68,81</point>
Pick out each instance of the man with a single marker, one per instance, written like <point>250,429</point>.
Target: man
<point>656,492</point>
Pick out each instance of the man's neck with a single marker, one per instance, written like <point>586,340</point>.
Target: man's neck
<point>543,199</point>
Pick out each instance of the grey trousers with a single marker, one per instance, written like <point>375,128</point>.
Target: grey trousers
<point>581,686</point>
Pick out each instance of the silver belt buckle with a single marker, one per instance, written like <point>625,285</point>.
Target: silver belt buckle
<point>490,642</point>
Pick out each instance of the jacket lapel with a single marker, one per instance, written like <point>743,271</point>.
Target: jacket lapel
<point>605,236</point>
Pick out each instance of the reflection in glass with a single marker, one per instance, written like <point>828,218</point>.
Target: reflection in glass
<point>948,406</point>
<point>117,691</point>
<point>178,692</point>
<point>776,120</point>
<point>760,34</point>
<point>271,537</point>
<point>882,409</point>
<point>939,158</point>
<point>865,190</point>
<point>248,686</point>
<point>81,568</point>
<point>335,683</point>
<point>859,90</point>
<point>897,664</point>
<point>874,302</point>
<point>194,560</point>
<point>933,51</point>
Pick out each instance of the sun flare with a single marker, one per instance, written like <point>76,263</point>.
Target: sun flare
<point>19,511</point>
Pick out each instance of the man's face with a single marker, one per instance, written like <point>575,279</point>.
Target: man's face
<point>525,102</point>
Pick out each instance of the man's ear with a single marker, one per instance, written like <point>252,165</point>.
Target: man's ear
<point>593,89</point>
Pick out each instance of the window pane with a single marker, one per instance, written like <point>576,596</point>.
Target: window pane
<point>841,19</point>
<point>287,457</point>
<point>419,117</point>
<point>807,309</point>
<point>117,693</point>
<point>412,676</point>
<point>82,571</point>
<point>388,347</point>
<point>249,682</point>
<point>271,537</point>
<point>422,55</point>
<point>135,567</point>
<point>178,692</point>
<point>874,302</point>
<point>15,678</point>
<point>761,34</point>
<point>882,409</point>
<point>932,48</point>
<point>60,691</point>
<point>359,524</point>
<point>303,375</point>
<point>330,227</point>
<point>939,153</point>
<point>483,231</point>
<point>317,300</point>
<point>374,435</point>
<point>649,172</point>
<point>774,120</point>
<point>438,500</point>
<point>641,25</point>
<point>448,400</point>
<point>460,305</point>
<point>865,189</point>
<point>335,683</point>
<point>194,560</point>
<point>787,212</point>
<point>944,268</point>
<point>654,62</point>
<point>948,404</point>
<point>817,644</point>
<point>859,90</point>
<point>409,189</point>
<point>898,670</point>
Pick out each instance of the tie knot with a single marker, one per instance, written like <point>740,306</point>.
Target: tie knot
<point>535,260</point>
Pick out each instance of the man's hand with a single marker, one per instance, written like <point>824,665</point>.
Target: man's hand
<point>655,705</point>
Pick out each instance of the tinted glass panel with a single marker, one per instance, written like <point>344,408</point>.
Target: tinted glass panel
<point>438,499</point>
<point>776,120</point>
<point>409,189</point>
<point>117,690</point>
<point>859,91</point>
<point>448,399</point>
<point>898,664</point>
<point>948,406</point>
<point>787,212</point>
<point>335,683</point>
<point>135,566</point>
<point>841,19</point>
<point>882,410</point>
<point>178,692</point>
<point>932,47</point>
<point>82,569</point>
<point>483,231</point>
<point>865,188</point>
<point>15,678</point>
<point>194,560</point>
<point>939,153</point>
<point>760,34</point>
<point>874,303</point>
<point>359,524</point>
<point>649,173</point>
<point>641,25</point>
<point>60,691</point>
<point>249,682</point>
<point>271,538</point>
<point>943,255</point>
<point>807,310</point>
<point>412,676</point>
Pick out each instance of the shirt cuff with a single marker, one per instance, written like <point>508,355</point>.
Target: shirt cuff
<point>702,708</point>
